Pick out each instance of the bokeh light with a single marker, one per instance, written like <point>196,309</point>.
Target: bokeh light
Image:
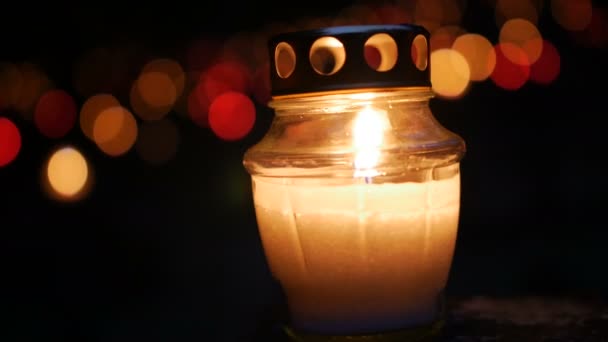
<point>157,141</point>
<point>479,53</point>
<point>526,36</point>
<point>10,84</point>
<point>55,113</point>
<point>115,131</point>
<point>232,116</point>
<point>34,82</point>
<point>92,108</point>
<point>152,96</point>
<point>547,67</point>
<point>572,15</point>
<point>507,74</point>
<point>157,89</point>
<point>198,106</point>
<point>428,13</point>
<point>450,73</point>
<point>506,10</point>
<point>595,35</point>
<point>67,173</point>
<point>225,76</point>
<point>444,37</point>
<point>10,141</point>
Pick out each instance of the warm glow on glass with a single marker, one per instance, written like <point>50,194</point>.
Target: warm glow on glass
<point>67,172</point>
<point>368,134</point>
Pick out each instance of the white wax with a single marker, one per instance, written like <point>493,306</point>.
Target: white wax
<point>362,257</point>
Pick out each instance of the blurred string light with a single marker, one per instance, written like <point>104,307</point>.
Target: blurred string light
<point>67,174</point>
<point>214,83</point>
<point>10,141</point>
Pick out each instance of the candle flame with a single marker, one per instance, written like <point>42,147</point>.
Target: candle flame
<point>368,136</point>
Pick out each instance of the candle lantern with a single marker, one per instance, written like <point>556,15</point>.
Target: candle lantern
<point>356,185</point>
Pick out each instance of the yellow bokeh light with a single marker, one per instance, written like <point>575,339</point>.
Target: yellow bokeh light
<point>479,53</point>
<point>115,131</point>
<point>525,35</point>
<point>572,15</point>
<point>450,73</point>
<point>92,108</point>
<point>67,172</point>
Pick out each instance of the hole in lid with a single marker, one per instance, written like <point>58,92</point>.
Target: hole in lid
<point>327,55</point>
<point>420,52</point>
<point>381,52</point>
<point>284,60</point>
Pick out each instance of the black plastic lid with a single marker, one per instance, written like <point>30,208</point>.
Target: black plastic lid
<point>348,58</point>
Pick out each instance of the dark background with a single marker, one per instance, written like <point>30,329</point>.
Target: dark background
<point>172,253</point>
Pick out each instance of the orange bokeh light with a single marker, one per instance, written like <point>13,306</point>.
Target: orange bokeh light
<point>10,141</point>
<point>526,36</point>
<point>55,114</point>
<point>92,108</point>
<point>115,131</point>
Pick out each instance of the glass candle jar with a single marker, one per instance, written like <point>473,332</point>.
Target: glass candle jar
<point>356,186</point>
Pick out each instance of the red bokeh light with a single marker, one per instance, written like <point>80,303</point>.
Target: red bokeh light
<point>10,141</point>
<point>55,113</point>
<point>231,116</point>
<point>507,74</point>
<point>546,69</point>
<point>225,76</point>
<point>198,106</point>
